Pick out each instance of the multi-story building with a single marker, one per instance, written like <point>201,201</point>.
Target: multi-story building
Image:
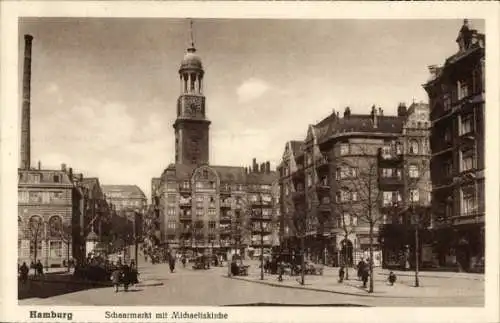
<point>335,179</point>
<point>456,98</point>
<point>53,205</point>
<point>129,205</point>
<point>205,207</point>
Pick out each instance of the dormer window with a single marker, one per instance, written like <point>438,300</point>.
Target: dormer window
<point>56,178</point>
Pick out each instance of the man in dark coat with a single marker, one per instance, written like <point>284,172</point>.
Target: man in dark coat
<point>171,262</point>
<point>361,268</point>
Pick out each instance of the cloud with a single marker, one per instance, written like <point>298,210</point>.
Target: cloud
<point>252,89</point>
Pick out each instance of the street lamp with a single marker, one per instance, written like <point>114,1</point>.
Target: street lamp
<point>417,222</point>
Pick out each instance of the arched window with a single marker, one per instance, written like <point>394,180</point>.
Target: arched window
<point>413,147</point>
<point>55,227</point>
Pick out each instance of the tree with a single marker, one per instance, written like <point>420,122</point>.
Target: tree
<point>35,229</point>
<point>359,176</point>
<point>63,231</point>
<point>300,224</point>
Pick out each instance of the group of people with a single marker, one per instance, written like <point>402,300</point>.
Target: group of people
<point>124,274</point>
<point>363,268</point>
<point>23,270</point>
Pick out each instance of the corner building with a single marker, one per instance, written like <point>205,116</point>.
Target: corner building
<point>321,181</point>
<point>204,208</point>
<point>456,97</point>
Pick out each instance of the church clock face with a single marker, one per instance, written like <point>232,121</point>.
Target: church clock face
<point>194,106</point>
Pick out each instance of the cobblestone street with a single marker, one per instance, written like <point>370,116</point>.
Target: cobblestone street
<point>213,287</point>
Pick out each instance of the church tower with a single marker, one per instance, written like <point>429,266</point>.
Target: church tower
<point>191,126</point>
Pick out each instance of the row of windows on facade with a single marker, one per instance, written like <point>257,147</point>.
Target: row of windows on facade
<point>467,162</point>
<point>40,196</point>
<point>388,150</point>
<point>26,248</point>
<point>212,225</point>
<point>128,203</point>
<point>171,199</point>
<point>39,177</point>
<point>186,185</point>
<point>172,212</point>
<point>461,89</point>
<point>466,126</point>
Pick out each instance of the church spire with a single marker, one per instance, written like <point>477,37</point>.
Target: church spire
<point>191,49</point>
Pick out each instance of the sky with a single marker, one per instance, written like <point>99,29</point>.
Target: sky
<point>104,90</point>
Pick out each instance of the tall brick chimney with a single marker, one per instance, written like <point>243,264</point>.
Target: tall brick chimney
<point>26,114</point>
<point>268,167</point>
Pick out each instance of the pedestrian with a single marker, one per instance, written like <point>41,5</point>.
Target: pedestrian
<point>281,270</point>
<point>126,277</point>
<point>116,278</point>
<point>171,263</point>
<point>183,260</point>
<point>23,271</point>
<point>341,274</point>
<point>365,274</point>
<point>361,268</point>
<point>391,278</point>
<point>39,268</point>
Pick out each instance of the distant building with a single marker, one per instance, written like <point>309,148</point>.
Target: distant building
<point>207,208</point>
<point>326,179</point>
<point>456,97</point>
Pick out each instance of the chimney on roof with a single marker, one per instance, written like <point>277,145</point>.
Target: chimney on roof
<point>39,165</point>
<point>26,106</point>
<point>338,115</point>
<point>268,167</point>
<point>255,166</point>
<point>81,177</point>
<point>63,167</point>
<point>374,116</point>
<point>347,113</point>
<point>70,174</point>
<point>263,167</point>
<point>402,109</point>
<point>380,112</point>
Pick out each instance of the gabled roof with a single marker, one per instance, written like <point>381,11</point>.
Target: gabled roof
<point>230,174</point>
<point>262,177</point>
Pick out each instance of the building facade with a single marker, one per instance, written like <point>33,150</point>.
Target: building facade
<point>341,178</point>
<point>199,207</point>
<point>456,97</point>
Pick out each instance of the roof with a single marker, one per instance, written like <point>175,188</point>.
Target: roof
<point>262,178</point>
<point>227,174</point>
<point>45,177</point>
<point>125,191</point>
<point>362,123</point>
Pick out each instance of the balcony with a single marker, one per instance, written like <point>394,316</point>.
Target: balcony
<point>185,189</point>
<point>185,217</point>
<point>225,231</point>
<point>323,187</point>
<point>265,229</point>
<point>390,158</point>
<point>225,218</point>
<point>225,205</point>
<point>258,216</point>
<point>322,163</point>
<point>390,182</point>
<point>325,207</point>
<point>185,204</point>
<point>225,189</point>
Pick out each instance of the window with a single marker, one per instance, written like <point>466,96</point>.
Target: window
<point>467,160</point>
<point>399,148</point>
<point>413,147</point>
<point>463,90</point>
<point>23,196</point>
<point>448,168</point>
<point>185,185</point>
<point>56,178</point>
<point>413,171</point>
<point>447,135</point>
<point>211,224</point>
<point>414,196</point>
<point>287,190</point>
<point>469,205</point>
<point>199,212</point>
<point>344,149</point>
<point>55,249</point>
<point>389,198</point>
<point>466,124</point>
<point>212,212</point>
<point>199,185</point>
<point>171,211</point>
<point>171,198</point>
<point>386,152</point>
<point>446,102</point>
<point>346,219</point>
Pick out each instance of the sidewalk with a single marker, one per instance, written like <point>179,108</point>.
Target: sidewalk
<point>328,282</point>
